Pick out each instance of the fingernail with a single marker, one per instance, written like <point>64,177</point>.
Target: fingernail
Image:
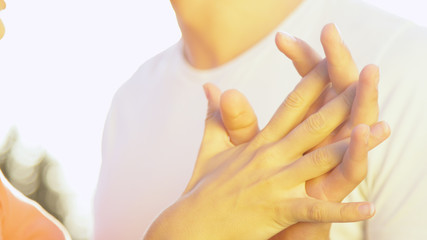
<point>377,77</point>
<point>367,209</point>
<point>287,36</point>
<point>386,127</point>
<point>206,90</point>
<point>338,31</point>
<point>379,130</point>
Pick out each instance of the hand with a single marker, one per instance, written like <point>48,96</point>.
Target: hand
<point>342,73</point>
<point>337,184</point>
<point>256,189</point>
<point>241,124</point>
<point>24,219</point>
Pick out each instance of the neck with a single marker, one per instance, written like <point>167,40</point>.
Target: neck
<point>217,31</point>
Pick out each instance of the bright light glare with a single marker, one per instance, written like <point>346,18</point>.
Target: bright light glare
<point>62,61</point>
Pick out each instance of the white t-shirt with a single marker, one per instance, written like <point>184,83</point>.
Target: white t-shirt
<point>155,124</point>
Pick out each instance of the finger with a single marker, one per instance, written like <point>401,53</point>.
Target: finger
<point>343,179</point>
<point>215,138</point>
<point>214,134</point>
<point>379,132</point>
<point>304,59</point>
<point>313,210</point>
<point>212,94</point>
<point>327,95</point>
<point>238,117</point>
<point>365,109</point>
<point>318,126</point>
<point>342,69</point>
<point>354,167</point>
<point>294,107</point>
<point>311,165</point>
<point>302,55</point>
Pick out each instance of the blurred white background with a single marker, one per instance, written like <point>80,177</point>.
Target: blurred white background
<point>62,61</point>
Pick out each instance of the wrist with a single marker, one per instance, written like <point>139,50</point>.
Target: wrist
<point>179,221</point>
<point>167,224</point>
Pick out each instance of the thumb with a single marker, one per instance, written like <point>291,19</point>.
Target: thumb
<point>238,117</point>
<point>215,138</point>
<point>212,94</point>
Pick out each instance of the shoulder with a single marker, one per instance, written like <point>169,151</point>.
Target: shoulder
<point>396,45</point>
<point>408,49</point>
<point>134,98</point>
<point>369,31</point>
<point>149,74</point>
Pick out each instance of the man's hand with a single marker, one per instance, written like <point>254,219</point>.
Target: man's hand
<point>342,72</point>
<point>256,189</point>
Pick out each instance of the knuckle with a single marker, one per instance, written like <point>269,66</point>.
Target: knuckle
<point>278,215</point>
<point>321,71</point>
<point>265,155</point>
<point>267,158</point>
<point>321,158</point>
<point>315,123</point>
<point>294,100</point>
<point>343,213</point>
<point>315,213</point>
<point>268,186</point>
<point>355,176</point>
<point>262,138</point>
<point>348,97</point>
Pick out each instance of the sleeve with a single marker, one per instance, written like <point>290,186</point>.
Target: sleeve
<point>108,208</point>
<point>126,180</point>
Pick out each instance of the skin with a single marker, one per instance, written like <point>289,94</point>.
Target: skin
<point>210,41</point>
<point>256,189</point>
<point>2,7</point>
<point>231,124</point>
<point>22,218</point>
<point>226,162</point>
<point>342,180</point>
